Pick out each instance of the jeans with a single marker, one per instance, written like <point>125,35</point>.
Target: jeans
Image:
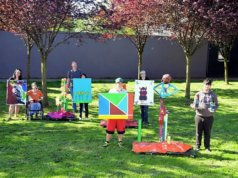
<point>144,113</point>
<point>34,108</point>
<point>74,104</point>
<point>203,124</point>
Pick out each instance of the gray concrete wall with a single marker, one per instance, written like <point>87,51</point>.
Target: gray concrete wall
<point>102,60</point>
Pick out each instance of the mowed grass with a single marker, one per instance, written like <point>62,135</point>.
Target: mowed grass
<point>74,149</point>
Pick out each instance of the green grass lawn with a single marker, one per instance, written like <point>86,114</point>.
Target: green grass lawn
<point>73,149</point>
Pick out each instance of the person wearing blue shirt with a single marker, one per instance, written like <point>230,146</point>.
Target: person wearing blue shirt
<point>73,73</point>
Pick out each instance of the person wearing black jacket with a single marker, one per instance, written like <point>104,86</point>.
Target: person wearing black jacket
<point>144,108</point>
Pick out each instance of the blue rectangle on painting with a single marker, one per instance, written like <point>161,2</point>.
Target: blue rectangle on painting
<point>103,104</point>
<point>82,90</point>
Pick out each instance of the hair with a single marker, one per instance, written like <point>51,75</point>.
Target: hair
<point>74,62</point>
<point>118,80</point>
<point>34,83</point>
<point>143,71</point>
<point>83,74</point>
<point>207,81</point>
<point>14,74</point>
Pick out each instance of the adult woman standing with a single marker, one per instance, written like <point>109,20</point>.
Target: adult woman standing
<point>13,108</point>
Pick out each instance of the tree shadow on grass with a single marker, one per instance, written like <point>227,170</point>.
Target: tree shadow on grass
<point>73,149</point>
<point>227,151</point>
<point>63,149</point>
<point>226,93</point>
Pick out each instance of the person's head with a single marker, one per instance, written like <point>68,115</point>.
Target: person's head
<point>83,76</point>
<point>166,78</point>
<point>119,83</point>
<point>17,74</point>
<point>143,74</point>
<point>74,65</point>
<point>207,84</point>
<point>34,86</point>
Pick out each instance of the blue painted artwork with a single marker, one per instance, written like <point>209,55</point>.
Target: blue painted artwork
<point>82,90</point>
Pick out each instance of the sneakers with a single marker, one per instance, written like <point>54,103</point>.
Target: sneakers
<point>146,124</point>
<point>208,150</point>
<point>106,144</point>
<point>197,149</point>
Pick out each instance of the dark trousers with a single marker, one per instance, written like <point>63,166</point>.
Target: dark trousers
<point>85,106</point>
<point>144,113</point>
<point>203,124</point>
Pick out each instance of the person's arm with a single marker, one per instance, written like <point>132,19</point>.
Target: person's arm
<point>216,102</point>
<point>41,96</point>
<point>111,91</point>
<point>29,96</point>
<point>68,81</point>
<point>195,103</point>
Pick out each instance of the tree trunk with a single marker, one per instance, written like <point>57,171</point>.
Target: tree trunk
<point>44,78</point>
<point>28,67</point>
<point>140,54</point>
<point>226,76</point>
<point>188,78</point>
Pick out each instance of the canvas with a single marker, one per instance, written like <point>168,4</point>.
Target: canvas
<point>116,105</point>
<point>16,92</point>
<point>82,90</point>
<point>144,92</point>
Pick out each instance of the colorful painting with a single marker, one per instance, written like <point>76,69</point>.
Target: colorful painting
<point>82,90</point>
<point>144,92</point>
<point>116,105</point>
<point>16,92</point>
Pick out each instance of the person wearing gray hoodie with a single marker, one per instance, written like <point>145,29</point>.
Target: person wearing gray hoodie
<point>205,104</point>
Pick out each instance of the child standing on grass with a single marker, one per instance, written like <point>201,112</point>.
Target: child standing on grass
<point>205,104</point>
<point>83,106</point>
<point>119,124</point>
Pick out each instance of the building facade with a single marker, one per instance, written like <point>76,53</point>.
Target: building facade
<point>103,60</point>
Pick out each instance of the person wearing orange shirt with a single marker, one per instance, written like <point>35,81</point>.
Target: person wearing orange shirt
<point>35,95</point>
